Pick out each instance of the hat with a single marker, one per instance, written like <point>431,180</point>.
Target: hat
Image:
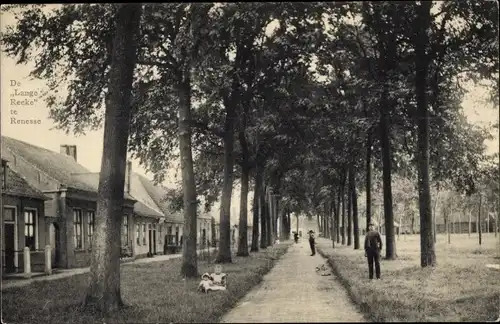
<point>371,224</point>
<point>311,231</point>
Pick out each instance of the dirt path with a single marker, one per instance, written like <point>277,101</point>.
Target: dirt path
<point>293,292</point>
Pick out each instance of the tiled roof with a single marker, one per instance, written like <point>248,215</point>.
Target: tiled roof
<point>17,186</point>
<point>146,211</point>
<point>56,165</point>
<point>90,181</point>
<point>144,206</point>
<point>158,194</point>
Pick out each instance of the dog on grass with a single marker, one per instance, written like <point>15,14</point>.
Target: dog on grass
<point>323,270</point>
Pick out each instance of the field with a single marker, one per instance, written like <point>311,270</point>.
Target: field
<point>460,288</point>
<point>153,292</point>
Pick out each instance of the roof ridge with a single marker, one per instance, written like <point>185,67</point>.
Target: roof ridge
<point>149,195</point>
<point>25,180</point>
<point>37,147</point>
<point>19,156</point>
<point>78,173</point>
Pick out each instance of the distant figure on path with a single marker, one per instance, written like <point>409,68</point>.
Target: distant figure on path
<point>373,246</point>
<point>312,242</point>
<point>296,237</point>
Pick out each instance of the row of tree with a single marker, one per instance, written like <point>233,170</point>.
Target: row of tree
<point>301,100</point>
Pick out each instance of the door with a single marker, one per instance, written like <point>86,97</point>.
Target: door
<point>54,244</point>
<point>154,242</point>
<point>9,245</point>
<point>150,234</point>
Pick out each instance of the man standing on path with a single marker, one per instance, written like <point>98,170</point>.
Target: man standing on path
<point>373,246</point>
<point>312,242</point>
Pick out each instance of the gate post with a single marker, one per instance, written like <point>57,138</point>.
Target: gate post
<point>48,260</point>
<point>27,262</point>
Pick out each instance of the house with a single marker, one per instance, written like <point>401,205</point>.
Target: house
<point>149,226</point>
<point>23,222</point>
<point>140,229</point>
<point>460,223</point>
<point>235,234</point>
<point>204,231</point>
<point>382,228</point>
<point>70,212</point>
<point>170,229</point>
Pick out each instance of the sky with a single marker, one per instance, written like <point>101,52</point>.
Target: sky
<point>16,85</point>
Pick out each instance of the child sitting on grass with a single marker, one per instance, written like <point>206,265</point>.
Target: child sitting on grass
<point>214,281</point>
<point>205,283</point>
<point>219,278</point>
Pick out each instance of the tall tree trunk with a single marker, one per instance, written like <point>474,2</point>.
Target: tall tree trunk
<point>269,211</point>
<point>349,214</point>
<point>427,246</point>
<point>342,232</point>
<point>325,221</point>
<point>285,223</point>
<point>272,225</point>
<point>243,224</point>
<point>487,221</point>
<point>104,278</point>
<point>496,221</point>
<point>390,246</point>
<point>399,227</point>
<point>318,220</point>
<point>469,222</point>
<point>189,267</point>
<point>412,222</point>
<point>368,188</point>
<point>224,255</point>
<point>434,227</point>
<point>256,210</point>
<point>213,230</point>
<point>449,232</point>
<point>280,229</point>
<point>288,225</point>
<point>354,200</point>
<point>480,232</point>
<point>337,216</point>
<point>333,214</point>
<point>263,218</point>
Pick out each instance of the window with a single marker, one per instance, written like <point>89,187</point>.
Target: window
<point>4,175</point>
<point>30,229</point>
<point>77,224</point>
<point>91,225</point>
<point>138,234</point>
<point>8,214</point>
<point>144,233</point>
<point>125,231</point>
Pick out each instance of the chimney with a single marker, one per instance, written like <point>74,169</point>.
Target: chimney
<point>128,175</point>
<point>69,150</point>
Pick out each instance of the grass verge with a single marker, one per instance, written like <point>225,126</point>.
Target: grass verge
<point>460,289</point>
<point>153,292</point>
